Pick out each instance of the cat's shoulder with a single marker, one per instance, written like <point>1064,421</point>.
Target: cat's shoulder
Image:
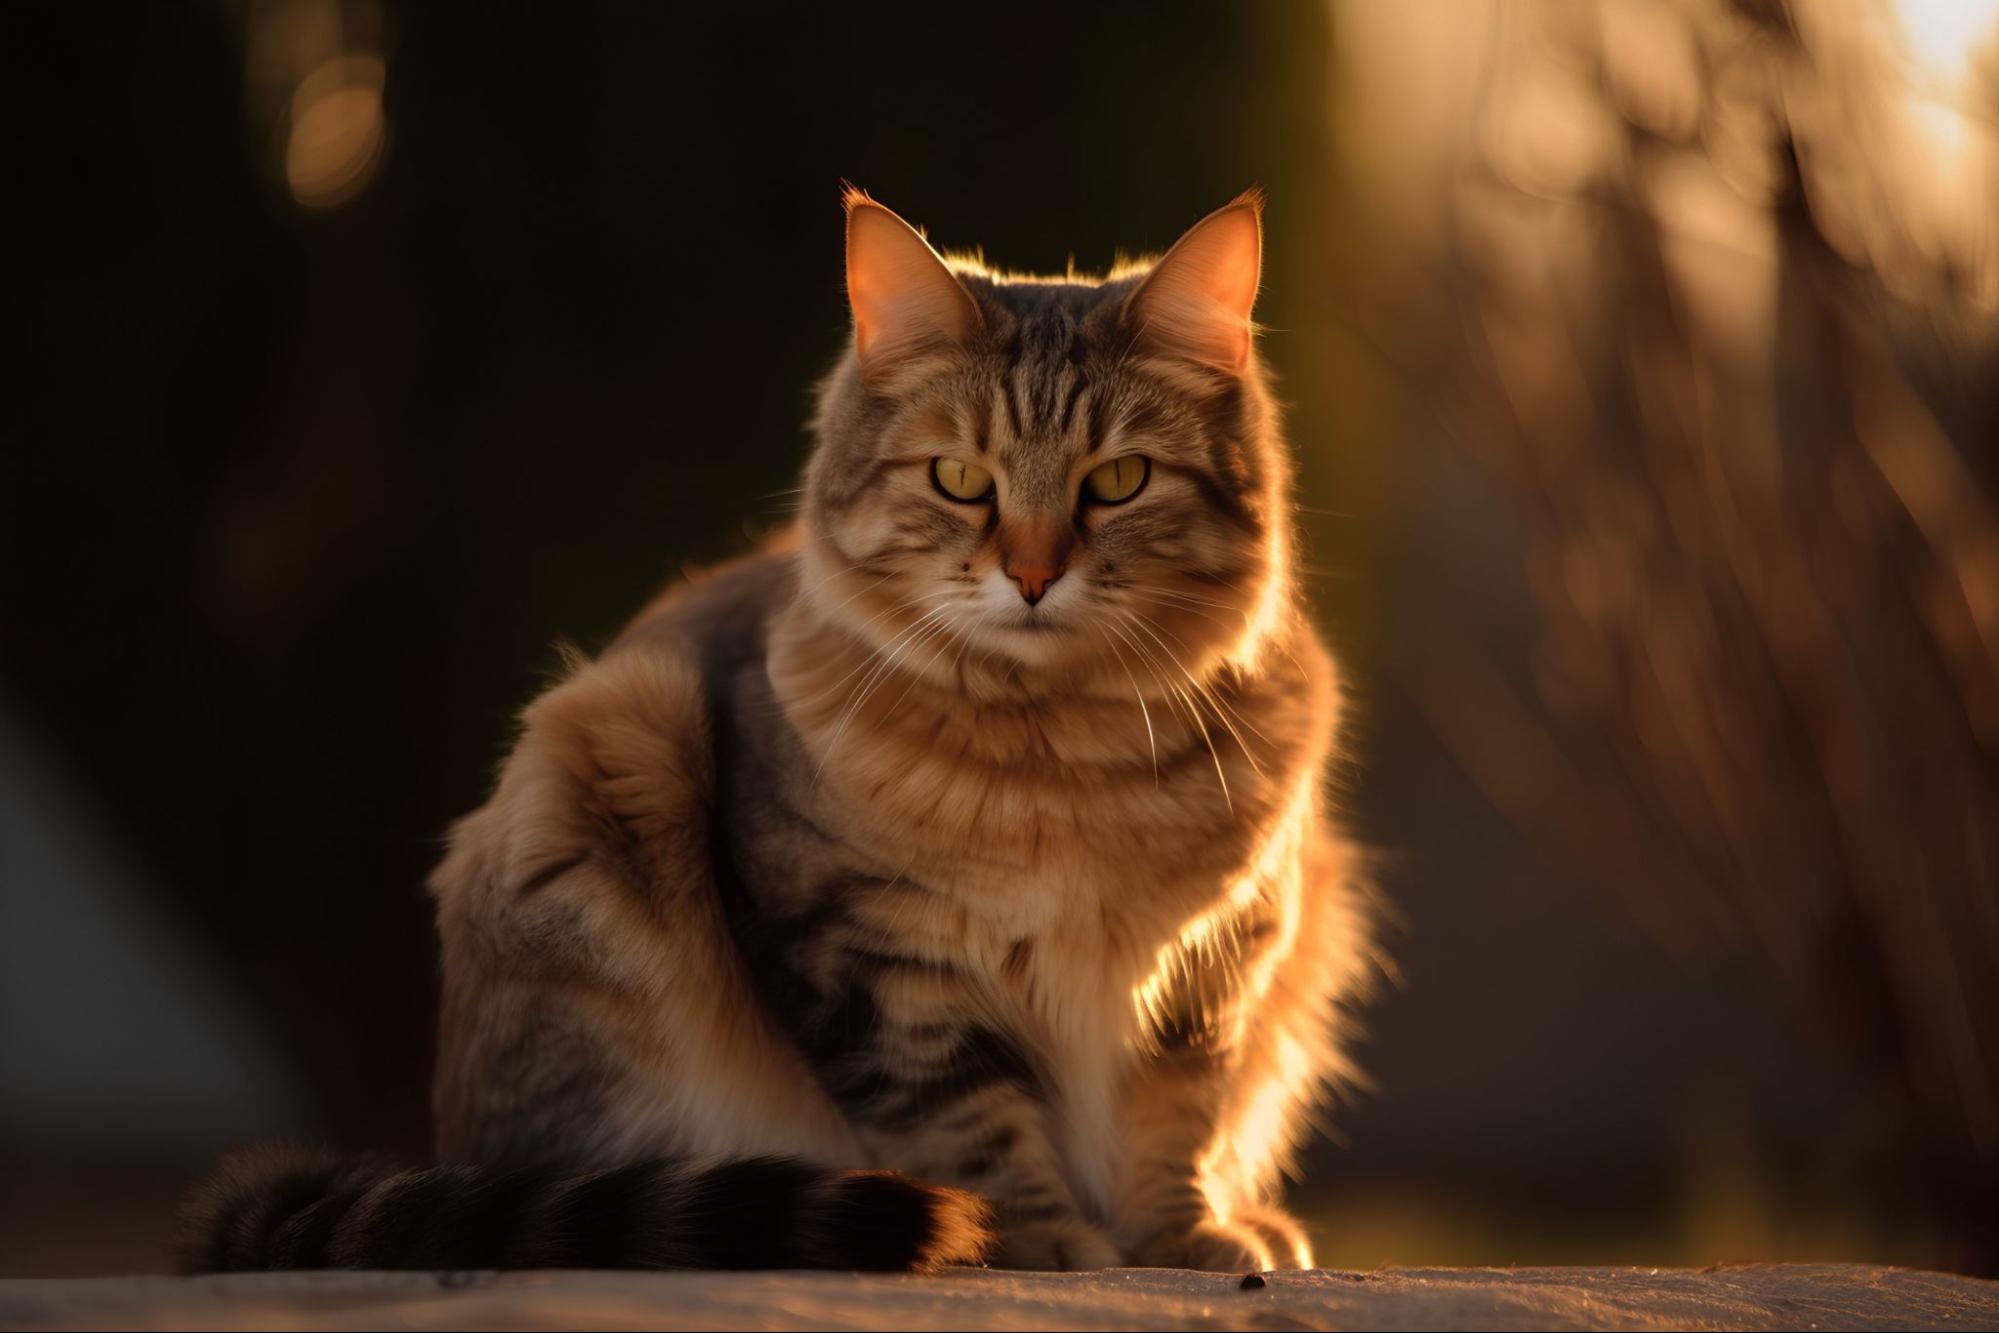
<point>621,745</point>
<point>642,705</point>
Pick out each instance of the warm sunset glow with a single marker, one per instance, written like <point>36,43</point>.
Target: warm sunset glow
<point>1946,36</point>
<point>313,73</point>
<point>1947,115</point>
<point>337,131</point>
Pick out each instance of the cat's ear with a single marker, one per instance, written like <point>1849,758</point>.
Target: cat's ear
<point>904,299</point>
<point>1195,304</point>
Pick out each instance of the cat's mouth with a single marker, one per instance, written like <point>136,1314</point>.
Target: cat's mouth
<point>1035,636</point>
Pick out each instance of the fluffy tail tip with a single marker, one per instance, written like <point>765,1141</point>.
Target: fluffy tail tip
<point>228,1221</point>
<point>887,1222</point>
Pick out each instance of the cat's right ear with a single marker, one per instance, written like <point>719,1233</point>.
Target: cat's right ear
<point>905,300</point>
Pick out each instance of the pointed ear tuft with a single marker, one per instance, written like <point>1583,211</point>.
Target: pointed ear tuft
<point>904,299</point>
<point>852,195</point>
<point>1196,302</point>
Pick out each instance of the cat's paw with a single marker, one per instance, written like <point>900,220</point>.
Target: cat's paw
<point>1278,1230</point>
<point>1065,1245</point>
<point>1209,1247</point>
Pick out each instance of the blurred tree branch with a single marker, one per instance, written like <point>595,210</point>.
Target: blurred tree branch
<point>1692,282</point>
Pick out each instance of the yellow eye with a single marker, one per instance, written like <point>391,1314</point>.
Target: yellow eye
<point>966,482</point>
<point>1118,480</point>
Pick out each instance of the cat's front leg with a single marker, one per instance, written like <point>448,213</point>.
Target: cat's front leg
<point>974,1117</point>
<point>937,1091</point>
<point>1165,1217</point>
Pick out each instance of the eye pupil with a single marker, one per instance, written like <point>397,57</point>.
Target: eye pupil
<point>1118,480</point>
<point>966,483</point>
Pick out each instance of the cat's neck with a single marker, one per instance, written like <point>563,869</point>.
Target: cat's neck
<point>982,791</point>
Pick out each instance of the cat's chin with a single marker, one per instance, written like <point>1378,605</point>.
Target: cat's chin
<point>1041,642</point>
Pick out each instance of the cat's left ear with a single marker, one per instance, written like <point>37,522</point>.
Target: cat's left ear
<point>1196,302</point>
<point>904,299</point>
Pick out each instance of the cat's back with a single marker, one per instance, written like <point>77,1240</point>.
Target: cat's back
<point>719,612</point>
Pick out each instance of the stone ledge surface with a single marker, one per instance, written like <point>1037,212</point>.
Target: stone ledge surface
<point>1758,1296</point>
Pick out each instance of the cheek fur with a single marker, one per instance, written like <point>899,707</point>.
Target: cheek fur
<point>1174,534</point>
<point>900,524</point>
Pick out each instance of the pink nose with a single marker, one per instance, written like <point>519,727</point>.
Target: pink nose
<point>1033,580</point>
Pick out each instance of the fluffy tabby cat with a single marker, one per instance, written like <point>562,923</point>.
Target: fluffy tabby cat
<point>973,833</point>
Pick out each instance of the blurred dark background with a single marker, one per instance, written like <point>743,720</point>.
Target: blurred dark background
<point>1642,386</point>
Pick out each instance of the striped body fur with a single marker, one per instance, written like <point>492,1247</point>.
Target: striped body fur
<point>981,842</point>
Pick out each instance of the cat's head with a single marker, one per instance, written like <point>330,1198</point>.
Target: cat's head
<point>1051,479</point>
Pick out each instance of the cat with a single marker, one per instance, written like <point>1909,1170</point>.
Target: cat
<point>952,880</point>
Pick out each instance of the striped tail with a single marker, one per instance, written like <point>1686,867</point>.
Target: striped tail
<point>284,1208</point>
